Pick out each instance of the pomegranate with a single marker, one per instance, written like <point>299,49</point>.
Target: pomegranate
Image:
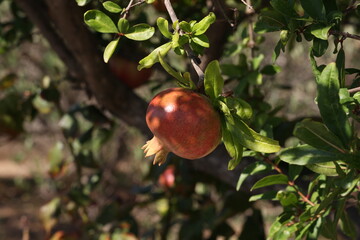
<point>167,178</point>
<point>183,122</point>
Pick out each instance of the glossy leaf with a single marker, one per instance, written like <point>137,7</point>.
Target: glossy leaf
<point>253,168</point>
<point>110,49</point>
<point>318,136</point>
<point>201,40</point>
<point>271,180</point>
<point>201,27</point>
<point>140,32</point>
<point>213,80</point>
<point>331,111</point>
<point>320,31</point>
<point>305,154</point>
<point>112,7</point>
<point>153,57</point>
<point>253,140</point>
<point>163,26</point>
<point>100,22</point>
<point>123,25</point>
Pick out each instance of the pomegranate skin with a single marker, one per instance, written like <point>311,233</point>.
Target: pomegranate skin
<point>184,122</point>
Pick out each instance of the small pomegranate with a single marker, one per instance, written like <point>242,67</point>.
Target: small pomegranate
<point>167,178</point>
<point>183,122</point>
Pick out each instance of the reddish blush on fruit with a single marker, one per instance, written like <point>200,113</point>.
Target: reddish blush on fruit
<point>183,122</point>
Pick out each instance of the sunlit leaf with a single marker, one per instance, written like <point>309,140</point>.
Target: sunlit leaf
<point>100,22</point>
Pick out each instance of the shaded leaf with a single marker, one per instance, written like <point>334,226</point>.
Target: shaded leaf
<point>271,180</point>
<point>318,136</point>
<point>331,111</point>
<point>319,47</point>
<point>253,168</point>
<point>232,145</point>
<point>123,25</point>
<point>314,9</point>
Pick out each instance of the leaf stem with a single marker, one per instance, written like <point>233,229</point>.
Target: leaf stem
<point>250,11</point>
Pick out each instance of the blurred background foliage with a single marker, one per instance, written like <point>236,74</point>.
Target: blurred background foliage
<point>69,169</point>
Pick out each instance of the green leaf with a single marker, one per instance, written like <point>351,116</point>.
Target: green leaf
<point>170,70</point>
<point>305,154</point>
<point>314,8</point>
<point>213,80</point>
<point>271,180</point>
<point>153,57</point>
<point>270,195</point>
<point>253,168</point>
<point>232,145</point>
<point>238,107</point>
<point>112,7</point>
<point>201,40</point>
<point>287,198</point>
<point>318,136</point>
<point>270,70</point>
<point>253,140</point>
<point>201,27</point>
<point>325,168</point>
<point>320,31</point>
<point>270,21</point>
<point>285,7</point>
<point>185,26</point>
<point>340,64</point>
<point>294,171</point>
<point>100,22</point>
<point>315,69</point>
<point>163,26</point>
<point>226,111</point>
<point>82,2</point>
<point>331,111</point>
<point>109,50</point>
<point>347,226</point>
<point>319,47</point>
<point>123,25</point>
<point>140,32</point>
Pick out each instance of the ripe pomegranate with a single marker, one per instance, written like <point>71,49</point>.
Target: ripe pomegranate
<point>183,122</point>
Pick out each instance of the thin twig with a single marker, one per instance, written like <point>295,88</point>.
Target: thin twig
<point>290,183</point>
<point>251,44</point>
<point>344,34</point>
<point>138,3</point>
<point>218,5</point>
<point>195,61</point>
<point>354,90</point>
<point>127,9</point>
<point>248,5</point>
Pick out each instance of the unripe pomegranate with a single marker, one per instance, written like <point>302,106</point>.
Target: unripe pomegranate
<point>183,122</point>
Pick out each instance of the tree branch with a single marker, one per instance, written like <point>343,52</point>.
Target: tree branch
<point>344,34</point>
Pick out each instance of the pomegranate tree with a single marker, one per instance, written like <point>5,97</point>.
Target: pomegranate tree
<point>183,122</point>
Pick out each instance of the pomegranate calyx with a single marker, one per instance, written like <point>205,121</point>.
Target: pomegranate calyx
<point>154,146</point>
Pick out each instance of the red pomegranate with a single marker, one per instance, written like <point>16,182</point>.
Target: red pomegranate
<point>183,122</point>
